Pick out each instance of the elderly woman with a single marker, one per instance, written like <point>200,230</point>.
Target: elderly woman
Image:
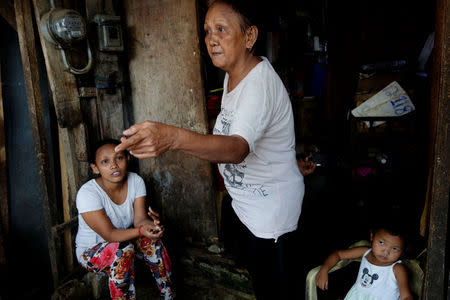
<point>253,143</point>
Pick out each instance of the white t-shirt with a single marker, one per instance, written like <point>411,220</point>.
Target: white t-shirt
<point>92,197</point>
<point>374,282</point>
<point>267,187</point>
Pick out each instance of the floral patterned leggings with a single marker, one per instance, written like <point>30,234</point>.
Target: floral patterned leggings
<point>117,261</point>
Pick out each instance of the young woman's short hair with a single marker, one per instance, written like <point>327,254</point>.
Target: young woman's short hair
<point>98,144</point>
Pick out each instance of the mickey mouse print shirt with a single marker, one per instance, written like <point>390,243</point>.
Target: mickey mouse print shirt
<point>374,282</point>
<point>267,187</point>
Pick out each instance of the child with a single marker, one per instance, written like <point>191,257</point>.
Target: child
<point>381,275</point>
<point>113,225</point>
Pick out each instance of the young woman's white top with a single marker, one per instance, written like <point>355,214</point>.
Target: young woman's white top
<point>92,197</point>
<point>267,187</point>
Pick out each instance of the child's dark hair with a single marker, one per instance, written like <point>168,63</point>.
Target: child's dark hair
<point>99,144</point>
<point>395,224</point>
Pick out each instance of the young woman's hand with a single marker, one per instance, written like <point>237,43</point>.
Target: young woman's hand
<point>152,231</point>
<point>322,279</point>
<point>154,216</point>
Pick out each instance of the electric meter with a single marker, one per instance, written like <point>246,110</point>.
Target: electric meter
<point>63,26</point>
<point>109,33</point>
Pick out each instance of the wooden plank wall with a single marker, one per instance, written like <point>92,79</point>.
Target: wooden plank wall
<point>4,207</point>
<point>73,138</point>
<point>437,269</point>
<point>166,86</point>
<point>68,110</point>
<point>31,76</point>
<point>7,12</point>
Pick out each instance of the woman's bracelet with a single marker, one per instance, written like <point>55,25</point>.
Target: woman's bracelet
<point>139,230</point>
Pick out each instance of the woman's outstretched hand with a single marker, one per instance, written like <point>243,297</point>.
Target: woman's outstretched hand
<point>148,139</point>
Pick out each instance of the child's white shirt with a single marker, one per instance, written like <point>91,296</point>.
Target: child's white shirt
<point>374,282</point>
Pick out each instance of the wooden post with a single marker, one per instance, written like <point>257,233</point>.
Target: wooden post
<point>62,83</point>
<point>4,207</point>
<point>4,210</point>
<point>25,31</point>
<point>68,112</point>
<point>437,269</point>
<point>68,253</point>
<point>167,86</point>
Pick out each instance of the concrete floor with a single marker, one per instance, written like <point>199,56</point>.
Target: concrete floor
<point>198,275</point>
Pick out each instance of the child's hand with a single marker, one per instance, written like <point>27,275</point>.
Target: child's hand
<point>152,231</point>
<point>154,216</point>
<point>322,279</point>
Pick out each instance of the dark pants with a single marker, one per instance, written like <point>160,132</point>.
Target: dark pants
<point>272,265</point>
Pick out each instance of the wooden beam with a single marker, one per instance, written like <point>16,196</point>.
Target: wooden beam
<point>62,82</point>
<point>4,207</point>
<point>77,166</point>
<point>67,106</point>
<point>154,72</point>
<point>25,32</point>
<point>7,12</point>
<point>63,228</point>
<point>437,269</point>
<point>87,92</point>
<point>68,249</point>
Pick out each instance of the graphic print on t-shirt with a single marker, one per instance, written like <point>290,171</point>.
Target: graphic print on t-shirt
<point>234,174</point>
<point>367,279</point>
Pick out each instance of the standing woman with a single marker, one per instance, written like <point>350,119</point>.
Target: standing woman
<point>253,143</point>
